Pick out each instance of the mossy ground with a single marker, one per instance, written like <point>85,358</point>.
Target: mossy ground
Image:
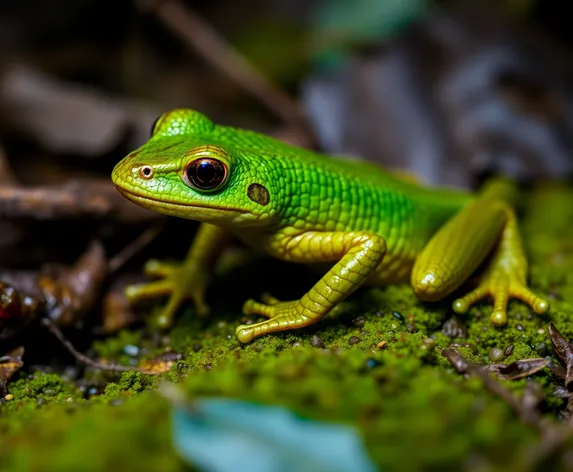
<point>414,411</point>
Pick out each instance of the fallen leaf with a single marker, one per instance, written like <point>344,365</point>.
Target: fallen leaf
<point>518,369</point>
<point>162,363</point>
<point>9,365</point>
<point>564,351</point>
<point>219,433</point>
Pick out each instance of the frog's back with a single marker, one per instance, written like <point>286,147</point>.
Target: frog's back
<point>325,193</point>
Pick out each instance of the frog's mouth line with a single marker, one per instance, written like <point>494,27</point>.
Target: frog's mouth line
<point>153,202</point>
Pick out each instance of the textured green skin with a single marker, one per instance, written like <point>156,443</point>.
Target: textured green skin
<point>376,227</point>
<point>309,191</point>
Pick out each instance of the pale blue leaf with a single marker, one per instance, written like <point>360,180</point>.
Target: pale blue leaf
<point>220,435</point>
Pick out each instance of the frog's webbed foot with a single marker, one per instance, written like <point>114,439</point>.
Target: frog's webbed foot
<point>282,316</point>
<point>501,286</point>
<point>178,281</point>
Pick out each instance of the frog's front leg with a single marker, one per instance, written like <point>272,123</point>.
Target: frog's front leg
<point>188,279</point>
<point>454,253</point>
<point>358,255</point>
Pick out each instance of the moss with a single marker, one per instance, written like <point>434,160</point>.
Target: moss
<point>376,363</point>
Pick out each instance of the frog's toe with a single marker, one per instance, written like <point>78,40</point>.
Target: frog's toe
<point>538,304</point>
<point>268,299</point>
<point>201,308</point>
<point>463,304</point>
<point>156,268</point>
<point>285,318</point>
<point>143,291</point>
<point>252,307</point>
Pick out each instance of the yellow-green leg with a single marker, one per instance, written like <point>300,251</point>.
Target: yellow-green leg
<point>358,255</point>
<point>186,280</point>
<point>486,227</point>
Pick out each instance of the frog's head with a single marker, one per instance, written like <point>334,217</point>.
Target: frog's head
<point>192,169</point>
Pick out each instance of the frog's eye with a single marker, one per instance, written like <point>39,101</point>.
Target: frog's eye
<point>206,173</point>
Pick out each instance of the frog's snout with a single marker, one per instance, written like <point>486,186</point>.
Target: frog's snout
<point>127,171</point>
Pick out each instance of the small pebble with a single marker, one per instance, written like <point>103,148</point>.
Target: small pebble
<point>455,328</point>
<point>315,341</point>
<point>410,327</point>
<point>354,340</point>
<point>495,354</point>
<point>9,397</point>
<point>116,402</point>
<point>359,322</point>
<point>398,315</point>
<point>229,336</point>
<point>519,327</point>
<point>519,316</point>
<point>92,391</point>
<point>131,350</point>
<point>508,350</point>
<point>41,401</point>
<point>541,349</point>
<point>208,366</point>
<point>381,344</point>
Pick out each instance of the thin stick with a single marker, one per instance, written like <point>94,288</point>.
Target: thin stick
<point>145,238</point>
<point>50,326</point>
<point>199,36</point>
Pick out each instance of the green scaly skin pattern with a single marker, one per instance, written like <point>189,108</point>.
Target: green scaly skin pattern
<point>372,226</point>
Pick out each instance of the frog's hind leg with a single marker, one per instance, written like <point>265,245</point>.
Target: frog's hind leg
<point>486,227</point>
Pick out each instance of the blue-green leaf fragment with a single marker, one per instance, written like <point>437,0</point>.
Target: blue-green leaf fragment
<point>219,434</point>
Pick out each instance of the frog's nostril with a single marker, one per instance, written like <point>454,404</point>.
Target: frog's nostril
<point>146,172</point>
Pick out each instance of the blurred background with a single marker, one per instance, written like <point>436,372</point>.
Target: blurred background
<point>449,92</point>
<point>445,89</point>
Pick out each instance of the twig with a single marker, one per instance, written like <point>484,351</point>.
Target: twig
<point>198,35</point>
<point>552,436</point>
<point>117,261</point>
<point>94,198</point>
<point>50,326</point>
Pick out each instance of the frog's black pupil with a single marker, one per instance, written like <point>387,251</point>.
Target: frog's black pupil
<point>206,173</point>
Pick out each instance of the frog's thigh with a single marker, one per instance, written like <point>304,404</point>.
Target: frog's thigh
<point>358,255</point>
<point>458,248</point>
